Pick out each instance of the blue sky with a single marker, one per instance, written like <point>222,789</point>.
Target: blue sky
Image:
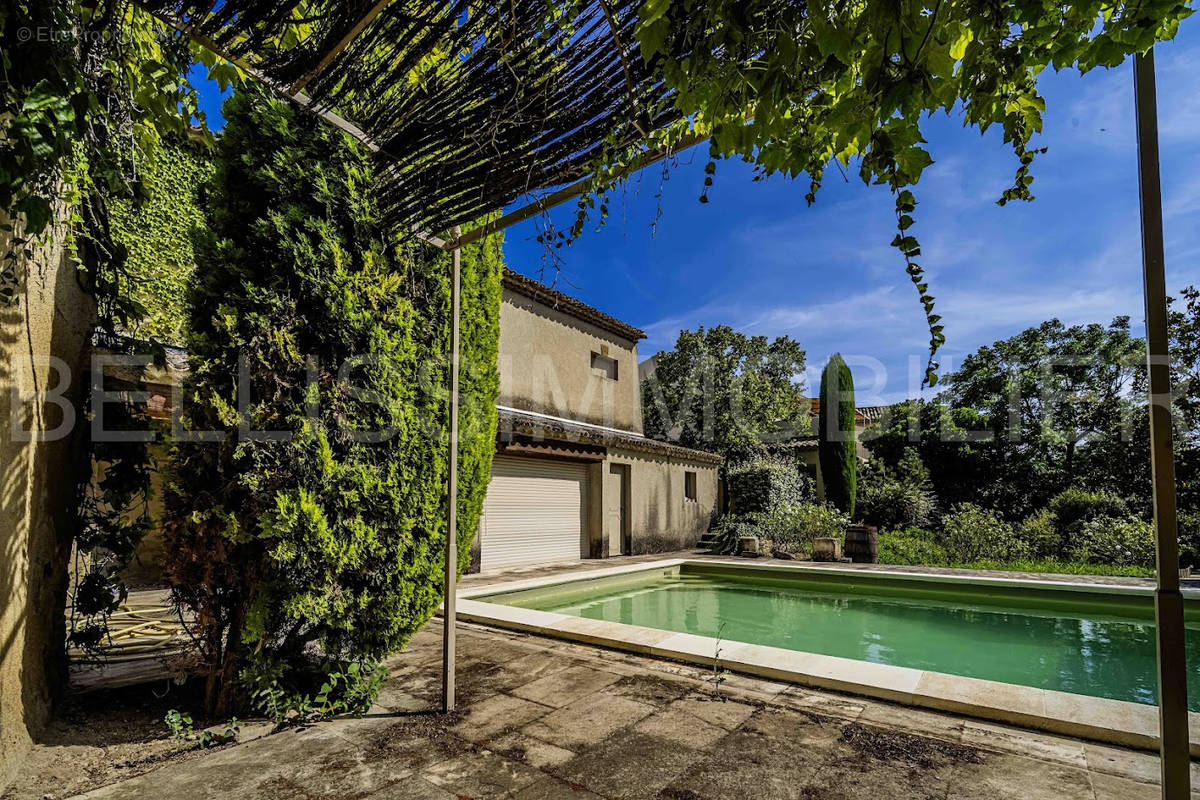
<point>756,258</point>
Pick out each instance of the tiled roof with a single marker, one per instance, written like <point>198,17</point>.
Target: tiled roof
<point>512,421</point>
<point>871,413</point>
<point>864,413</point>
<point>806,443</point>
<point>528,287</point>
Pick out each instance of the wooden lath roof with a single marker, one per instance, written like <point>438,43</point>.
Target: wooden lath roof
<point>472,104</point>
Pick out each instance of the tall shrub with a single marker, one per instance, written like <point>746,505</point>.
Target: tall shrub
<point>307,556</point>
<point>765,484</point>
<point>897,498</point>
<point>835,431</point>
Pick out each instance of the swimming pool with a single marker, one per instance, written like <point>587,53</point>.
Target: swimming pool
<point>1096,641</point>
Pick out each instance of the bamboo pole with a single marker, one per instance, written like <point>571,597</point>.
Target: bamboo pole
<point>448,603</point>
<point>346,40</point>
<point>1168,601</point>
<point>567,193</point>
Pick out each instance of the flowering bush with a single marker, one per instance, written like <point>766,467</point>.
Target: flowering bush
<point>1126,542</point>
<point>766,483</point>
<point>971,533</point>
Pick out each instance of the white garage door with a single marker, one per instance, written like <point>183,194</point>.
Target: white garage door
<point>534,512</point>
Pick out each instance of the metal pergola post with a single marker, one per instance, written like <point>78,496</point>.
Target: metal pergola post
<point>448,604</point>
<point>1168,600</point>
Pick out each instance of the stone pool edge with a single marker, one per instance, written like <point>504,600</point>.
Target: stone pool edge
<point>1094,718</point>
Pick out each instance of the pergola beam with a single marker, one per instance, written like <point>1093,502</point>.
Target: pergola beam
<point>333,52</point>
<point>574,190</point>
<point>305,102</point>
<point>449,600</point>
<point>297,97</point>
<point>293,93</point>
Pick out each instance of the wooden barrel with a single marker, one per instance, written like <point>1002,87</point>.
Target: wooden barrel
<point>862,544</point>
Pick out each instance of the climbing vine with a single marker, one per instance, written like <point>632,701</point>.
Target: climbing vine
<point>89,88</point>
<point>793,87</point>
<point>90,91</point>
<point>157,234</point>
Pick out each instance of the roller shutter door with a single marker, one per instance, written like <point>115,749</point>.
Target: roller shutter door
<point>533,513</point>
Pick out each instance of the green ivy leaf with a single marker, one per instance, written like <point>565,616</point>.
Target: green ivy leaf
<point>37,211</point>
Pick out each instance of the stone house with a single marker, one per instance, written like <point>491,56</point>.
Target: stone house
<point>574,476</point>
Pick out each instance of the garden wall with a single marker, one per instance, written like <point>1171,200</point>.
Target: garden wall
<point>52,318</point>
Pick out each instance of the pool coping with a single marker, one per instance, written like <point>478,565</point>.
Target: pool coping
<point>1095,718</point>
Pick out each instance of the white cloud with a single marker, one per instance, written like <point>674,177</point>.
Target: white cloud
<point>1103,114</point>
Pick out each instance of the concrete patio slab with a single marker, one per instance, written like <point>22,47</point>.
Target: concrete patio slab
<point>630,765</point>
<point>561,688</point>
<point>652,731</point>
<point>588,720</point>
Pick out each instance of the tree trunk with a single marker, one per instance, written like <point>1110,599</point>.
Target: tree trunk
<point>222,689</point>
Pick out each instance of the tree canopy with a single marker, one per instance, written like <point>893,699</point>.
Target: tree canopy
<point>1026,417</point>
<point>726,392</point>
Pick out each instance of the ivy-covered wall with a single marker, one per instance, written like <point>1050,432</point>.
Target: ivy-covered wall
<point>157,232</point>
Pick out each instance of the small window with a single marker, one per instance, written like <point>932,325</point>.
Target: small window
<point>604,366</point>
<point>689,485</point>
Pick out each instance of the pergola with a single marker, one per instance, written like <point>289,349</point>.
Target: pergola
<point>485,105</point>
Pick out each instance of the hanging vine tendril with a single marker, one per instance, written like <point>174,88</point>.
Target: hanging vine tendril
<point>793,87</point>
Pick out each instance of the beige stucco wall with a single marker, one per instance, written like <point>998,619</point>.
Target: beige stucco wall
<point>146,567</point>
<point>52,318</point>
<point>546,367</point>
<point>661,518</point>
<point>812,458</point>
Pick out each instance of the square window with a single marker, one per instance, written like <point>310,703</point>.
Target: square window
<point>689,485</point>
<point>604,366</point>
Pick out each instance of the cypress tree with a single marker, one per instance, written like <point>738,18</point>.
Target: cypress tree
<point>836,435</point>
<point>306,557</point>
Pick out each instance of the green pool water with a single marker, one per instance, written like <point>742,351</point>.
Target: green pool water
<point>1087,643</point>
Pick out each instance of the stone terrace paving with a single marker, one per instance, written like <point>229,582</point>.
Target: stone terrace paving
<point>539,718</point>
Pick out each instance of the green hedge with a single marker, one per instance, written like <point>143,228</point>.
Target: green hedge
<point>912,546</point>
<point>307,561</point>
<point>919,547</point>
<point>766,483</point>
